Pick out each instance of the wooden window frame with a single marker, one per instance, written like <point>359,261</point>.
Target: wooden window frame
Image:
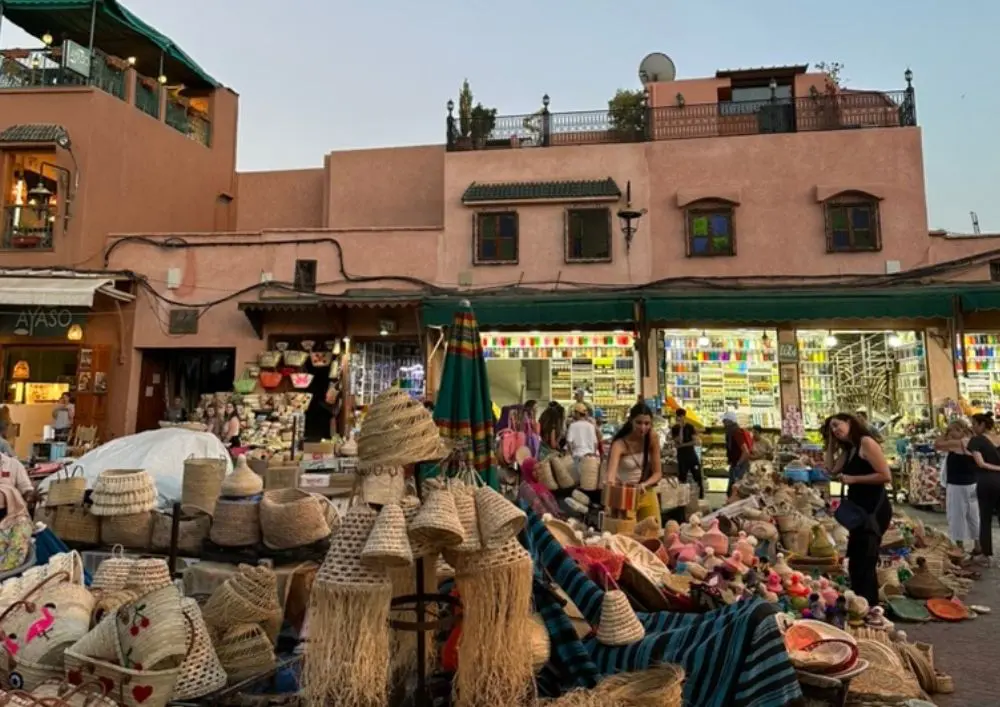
<point>851,201</point>
<point>568,258</point>
<point>709,207</point>
<point>477,218</point>
<point>299,280</point>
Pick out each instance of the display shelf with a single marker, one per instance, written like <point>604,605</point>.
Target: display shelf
<point>980,387</point>
<point>912,389</point>
<point>377,365</point>
<point>737,370</point>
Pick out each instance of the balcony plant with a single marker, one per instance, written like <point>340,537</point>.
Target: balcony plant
<point>482,122</point>
<point>627,114</point>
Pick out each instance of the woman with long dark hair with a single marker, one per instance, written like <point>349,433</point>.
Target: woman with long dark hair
<point>552,424</point>
<point>960,485</point>
<point>854,455</point>
<point>635,459</point>
<point>231,427</point>
<point>984,451</point>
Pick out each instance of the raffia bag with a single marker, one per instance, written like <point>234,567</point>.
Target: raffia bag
<point>292,518</point>
<point>546,475</point>
<point>76,524</point>
<point>202,481</point>
<point>590,473</point>
<point>236,523</point>
<point>562,468</point>
<point>202,672</point>
<point>194,526</point>
<point>152,630</point>
<point>67,488</point>
<point>134,530</point>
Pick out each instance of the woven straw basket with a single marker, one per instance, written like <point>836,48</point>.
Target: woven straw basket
<point>590,473</point>
<point>236,523</point>
<point>76,524</point>
<point>152,630</point>
<point>281,477</point>
<point>546,475</point>
<point>112,573</point>
<point>59,693</point>
<point>292,518</point>
<point>388,545</point>
<point>562,469</point>
<point>69,563</point>
<point>134,530</point>
<point>123,492</point>
<point>381,484</point>
<point>201,673</point>
<point>619,625</point>
<point>245,651</point>
<point>67,488</point>
<point>148,574</point>
<point>202,481</point>
<point>192,529</point>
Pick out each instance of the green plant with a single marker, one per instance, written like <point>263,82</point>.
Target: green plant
<point>627,111</point>
<point>465,110</point>
<point>483,121</point>
<point>834,74</point>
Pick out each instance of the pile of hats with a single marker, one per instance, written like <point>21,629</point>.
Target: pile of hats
<point>236,522</point>
<point>124,500</point>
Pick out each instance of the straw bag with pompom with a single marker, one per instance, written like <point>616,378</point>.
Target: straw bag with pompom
<point>562,468</point>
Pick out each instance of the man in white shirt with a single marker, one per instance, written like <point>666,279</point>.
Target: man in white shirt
<point>581,437</point>
<point>13,473</point>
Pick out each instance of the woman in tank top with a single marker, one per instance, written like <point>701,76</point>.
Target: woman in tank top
<point>635,459</point>
<point>853,454</point>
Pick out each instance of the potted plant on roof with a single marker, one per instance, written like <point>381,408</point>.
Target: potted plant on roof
<point>483,121</point>
<point>463,139</point>
<point>627,115</point>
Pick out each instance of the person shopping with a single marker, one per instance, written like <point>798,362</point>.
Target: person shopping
<point>686,440</point>
<point>738,446</point>
<point>635,459</point>
<point>581,438</point>
<point>231,427</point>
<point>552,423</point>
<point>960,485</point>
<point>987,457</point>
<point>854,456</point>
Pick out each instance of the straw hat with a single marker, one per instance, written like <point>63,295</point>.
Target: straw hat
<point>437,523</point>
<point>243,482</point>
<point>499,519</point>
<point>201,672</point>
<point>388,545</point>
<point>343,566</point>
<point>398,430</point>
<point>619,625</point>
<point>292,518</point>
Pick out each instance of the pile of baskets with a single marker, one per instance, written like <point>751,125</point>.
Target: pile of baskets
<point>124,500</point>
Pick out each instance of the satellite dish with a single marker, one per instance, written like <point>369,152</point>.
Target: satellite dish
<point>657,67</point>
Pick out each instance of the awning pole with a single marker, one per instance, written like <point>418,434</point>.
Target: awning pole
<point>93,24</point>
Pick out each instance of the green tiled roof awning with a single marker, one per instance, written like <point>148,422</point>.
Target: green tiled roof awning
<point>116,31</point>
<point>537,311</point>
<point>33,132</point>
<point>601,189</point>
<point>757,306</point>
<point>981,299</point>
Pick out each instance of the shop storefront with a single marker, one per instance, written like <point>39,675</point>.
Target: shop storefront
<point>979,383</point>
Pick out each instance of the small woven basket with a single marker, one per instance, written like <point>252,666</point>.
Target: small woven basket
<point>76,524</point>
<point>202,481</point>
<point>236,523</point>
<point>619,625</point>
<point>192,529</point>
<point>202,672</point>
<point>112,573</point>
<point>292,518</point>
<point>133,530</point>
<point>148,574</point>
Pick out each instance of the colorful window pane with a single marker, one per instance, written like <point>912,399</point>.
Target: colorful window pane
<point>710,232</point>
<point>496,237</point>
<point>852,227</point>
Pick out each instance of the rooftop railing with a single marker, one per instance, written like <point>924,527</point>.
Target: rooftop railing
<point>843,110</point>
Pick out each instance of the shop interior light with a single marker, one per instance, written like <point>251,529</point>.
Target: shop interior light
<point>75,333</point>
<point>703,340</point>
<point>131,61</point>
<point>382,331</point>
<point>830,341</point>
<point>47,39</point>
<point>895,341</point>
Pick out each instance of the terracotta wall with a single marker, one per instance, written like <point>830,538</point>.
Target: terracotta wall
<point>293,198</point>
<point>135,172</point>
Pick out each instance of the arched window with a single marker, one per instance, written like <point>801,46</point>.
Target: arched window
<point>852,223</point>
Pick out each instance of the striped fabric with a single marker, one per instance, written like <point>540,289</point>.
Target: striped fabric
<point>463,408</point>
<point>733,657</point>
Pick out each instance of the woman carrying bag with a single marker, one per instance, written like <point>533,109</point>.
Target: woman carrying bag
<point>854,457</point>
<point>635,459</point>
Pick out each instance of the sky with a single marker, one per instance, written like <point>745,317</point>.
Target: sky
<point>321,75</point>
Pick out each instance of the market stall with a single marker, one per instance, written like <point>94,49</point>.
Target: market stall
<point>884,373</point>
<point>553,366</point>
<point>979,382</point>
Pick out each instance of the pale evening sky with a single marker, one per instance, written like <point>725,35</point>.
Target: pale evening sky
<point>321,75</point>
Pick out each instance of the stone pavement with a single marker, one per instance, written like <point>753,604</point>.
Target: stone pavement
<point>966,651</point>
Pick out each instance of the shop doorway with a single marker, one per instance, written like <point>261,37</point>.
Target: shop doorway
<point>180,373</point>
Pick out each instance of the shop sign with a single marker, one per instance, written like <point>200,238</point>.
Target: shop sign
<point>39,321</point>
<point>788,352</point>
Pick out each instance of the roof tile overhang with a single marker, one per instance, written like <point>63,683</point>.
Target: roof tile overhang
<point>257,311</point>
<point>563,191</point>
<point>36,133</point>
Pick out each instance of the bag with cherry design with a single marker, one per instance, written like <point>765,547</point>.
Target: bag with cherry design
<point>36,629</point>
<point>137,652</point>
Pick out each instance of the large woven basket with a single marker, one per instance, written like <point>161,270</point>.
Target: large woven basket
<point>292,518</point>
<point>202,481</point>
<point>123,492</point>
<point>201,673</point>
<point>76,524</point>
<point>236,523</point>
<point>66,488</point>
<point>132,530</point>
<point>193,527</point>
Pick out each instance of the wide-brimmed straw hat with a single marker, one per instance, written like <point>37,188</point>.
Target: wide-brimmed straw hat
<point>243,482</point>
<point>397,431</point>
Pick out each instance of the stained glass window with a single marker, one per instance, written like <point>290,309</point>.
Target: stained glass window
<point>710,231</point>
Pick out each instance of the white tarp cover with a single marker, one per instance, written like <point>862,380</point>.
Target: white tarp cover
<point>51,291</point>
<point>160,452</point>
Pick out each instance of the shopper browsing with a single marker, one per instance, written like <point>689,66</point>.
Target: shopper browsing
<point>686,442</point>
<point>581,437</point>
<point>62,418</point>
<point>738,446</point>
<point>960,485</point>
<point>635,459</point>
<point>984,451</point>
<point>854,455</point>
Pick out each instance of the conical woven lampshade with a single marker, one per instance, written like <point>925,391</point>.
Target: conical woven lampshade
<point>465,504</point>
<point>437,522</point>
<point>499,519</point>
<point>398,430</point>
<point>619,625</point>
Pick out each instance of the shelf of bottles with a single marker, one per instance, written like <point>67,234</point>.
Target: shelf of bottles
<point>980,387</point>
<point>817,377</point>
<point>601,363</point>
<point>913,397</point>
<point>715,371</point>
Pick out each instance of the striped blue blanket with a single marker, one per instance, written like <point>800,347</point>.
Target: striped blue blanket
<point>732,657</point>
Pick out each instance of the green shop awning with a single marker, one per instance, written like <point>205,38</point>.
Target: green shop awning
<point>536,312</point>
<point>116,31</point>
<point>981,299</point>
<point>756,306</point>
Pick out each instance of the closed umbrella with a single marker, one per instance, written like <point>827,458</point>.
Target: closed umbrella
<point>463,410</point>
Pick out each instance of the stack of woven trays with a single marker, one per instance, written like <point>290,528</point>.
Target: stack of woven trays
<point>124,500</point>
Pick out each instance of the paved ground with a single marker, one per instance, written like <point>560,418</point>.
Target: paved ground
<point>967,651</point>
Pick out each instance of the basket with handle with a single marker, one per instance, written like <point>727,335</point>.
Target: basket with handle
<point>192,529</point>
<point>245,384</point>
<point>133,530</point>
<point>295,359</point>
<point>76,524</point>
<point>67,487</point>
<point>269,359</point>
<point>59,693</point>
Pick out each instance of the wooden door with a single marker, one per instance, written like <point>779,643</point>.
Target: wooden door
<point>92,398</point>
<point>152,398</point>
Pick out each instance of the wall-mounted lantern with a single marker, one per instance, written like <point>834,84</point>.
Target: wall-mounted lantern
<point>628,218</point>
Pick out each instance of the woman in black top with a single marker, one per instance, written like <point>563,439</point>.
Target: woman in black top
<point>854,454</point>
<point>960,485</point>
<point>987,459</point>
